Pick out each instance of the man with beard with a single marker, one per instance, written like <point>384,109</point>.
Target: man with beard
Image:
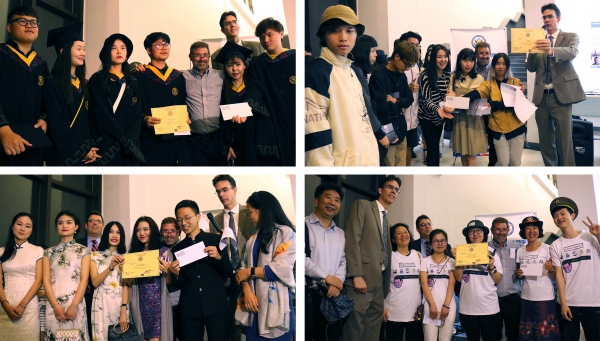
<point>483,67</point>
<point>230,27</point>
<point>327,260</point>
<point>203,86</point>
<point>368,250</point>
<point>170,232</point>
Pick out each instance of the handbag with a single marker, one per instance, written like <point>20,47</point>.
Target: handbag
<point>419,313</point>
<point>334,308</point>
<point>68,334</point>
<point>131,334</point>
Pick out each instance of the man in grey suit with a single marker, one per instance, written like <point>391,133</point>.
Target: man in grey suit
<point>368,250</point>
<point>557,87</point>
<point>236,217</point>
<point>231,29</point>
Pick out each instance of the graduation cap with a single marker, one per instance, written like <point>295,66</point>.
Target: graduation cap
<point>61,36</point>
<point>232,49</point>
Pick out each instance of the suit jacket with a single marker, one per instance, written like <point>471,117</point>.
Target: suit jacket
<point>565,80</point>
<point>364,246</point>
<point>252,45</point>
<point>416,245</point>
<point>202,282</point>
<point>245,229</point>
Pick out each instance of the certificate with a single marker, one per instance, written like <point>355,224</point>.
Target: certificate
<point>472,254</point>
<point>457,102</point>
<point>523,39</point>
<point>533,269</point>
<point>191,254</point>
<point>141,264</point>
<point>239,109</point>
<point>173,120</point>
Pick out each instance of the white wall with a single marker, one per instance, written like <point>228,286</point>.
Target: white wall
<point>127,197</point>
<point>582,190</point>
<point>185,21</point>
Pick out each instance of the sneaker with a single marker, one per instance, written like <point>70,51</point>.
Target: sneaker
<point>413,154</point>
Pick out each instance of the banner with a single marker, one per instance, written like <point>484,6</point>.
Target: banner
<point>514,219</point>
<point>460,39</point>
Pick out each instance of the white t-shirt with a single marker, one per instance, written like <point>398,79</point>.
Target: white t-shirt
<point>580,264</point>
<point>405,288</point>
<point>478,291</point>
<point>536,288</point>
<point>438,275</point>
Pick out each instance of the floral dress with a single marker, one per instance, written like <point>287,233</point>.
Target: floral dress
<point>106,304</point>
<point>65,271</point>
<point>19,275</point>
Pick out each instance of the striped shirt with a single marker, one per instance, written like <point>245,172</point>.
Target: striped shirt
<point>430,98</point>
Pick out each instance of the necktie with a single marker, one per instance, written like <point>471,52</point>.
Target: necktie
<point>90,289</point>
<point>385,238</point>
<point>235,256</point>
<point>94,245</point>
<point>548,79</point>
<point>428,249</point>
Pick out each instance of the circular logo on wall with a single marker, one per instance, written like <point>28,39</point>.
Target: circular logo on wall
<point>477,39</point>
<point>511,228</point>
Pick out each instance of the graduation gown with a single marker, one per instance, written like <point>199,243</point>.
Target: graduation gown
<point>22,79</point>
<point>240,137</point>
<point>119,132</point>
<point>69,126</point>
<point>272,95</point>
<point>163,88</point>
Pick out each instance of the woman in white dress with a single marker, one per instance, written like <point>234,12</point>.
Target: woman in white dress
<point>21,268</point>
<point>109,305</point>
<point>66,273</point>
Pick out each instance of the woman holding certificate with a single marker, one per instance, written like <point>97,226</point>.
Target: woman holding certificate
<point>110,297</point>
<point>66,269</point>
<point>539,317</point>
<point>479,309</point>
<point>150,304</point>
<point>507,130</point>
<point>266,273</point>
<point>404,296</point>
<point>437,283</point>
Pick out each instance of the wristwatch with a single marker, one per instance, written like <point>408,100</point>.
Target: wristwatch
<point>493,271</point>
<point>252,275</point>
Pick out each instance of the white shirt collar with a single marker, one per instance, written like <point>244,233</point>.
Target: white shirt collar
<point>380,206</point>
<point>235,210</point>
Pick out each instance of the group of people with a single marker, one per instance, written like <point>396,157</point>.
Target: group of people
<point>82,278</point>
<point>108,120</point>
<point>361,113</point>
<point>389,275</point>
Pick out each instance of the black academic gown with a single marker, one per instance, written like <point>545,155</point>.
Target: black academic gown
<point>69,126</point>
<point>272,95</point>
<point>162,88</point>
<point>21,82</point>
<point>119,132</point>
<point>239,137</point>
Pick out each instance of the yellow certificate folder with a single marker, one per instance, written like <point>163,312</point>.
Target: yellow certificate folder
<point>472,254</point>
<point>523,39</point>
<point>173,120</point>
<point>141,264</point>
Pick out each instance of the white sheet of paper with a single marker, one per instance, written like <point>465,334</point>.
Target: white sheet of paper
<point>428,320</point>
<point>508,94</point>
<point>523,108</point>
<point>457,102</point>
<point>238,109</point>
<point>227,233</point>
<point>513,253</point>
<point>479,108</point>
<point>533,269</point>
<point>191,254</point>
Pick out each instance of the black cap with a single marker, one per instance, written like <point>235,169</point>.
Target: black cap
<point>232,49</point>
<point>564,202</point>
<point>475,224</point>
<point>531,220</point>
<point>59,37</point>
<point>108,43</point>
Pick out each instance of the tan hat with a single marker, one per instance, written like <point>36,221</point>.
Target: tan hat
<point>345,14</point>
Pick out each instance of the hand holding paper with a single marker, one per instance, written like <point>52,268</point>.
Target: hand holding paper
<point>191,254</point>
<point>231,110</point>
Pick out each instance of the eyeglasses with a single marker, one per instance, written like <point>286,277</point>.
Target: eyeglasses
<point>97,221</point>
<point>544,17</point>
<point>24,22</point>
<point>390,187</point>
<point>408,66</point>
<point>223,190</point>
<point>475,231</point>
<point>483,53</point>
<point>229,23</point>
<point>162,46</point>
<point>201,56</point>
<point>439,242</point>
<point>169,232</point>
<point>186,219</point>
<point>425,224</point>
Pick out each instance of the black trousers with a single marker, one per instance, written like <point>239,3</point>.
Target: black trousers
<point>207,150</point>
<point>589,317</point>
<point>233,292</point>
<point>432,134</point>
<point>176,323</point>
<point>320,330</point>
<point>492,159</point>
<point>216,328</point>
<point>394,331</point>
<point>510,310</point>
<point>88,309</point>
<point>484,327</point>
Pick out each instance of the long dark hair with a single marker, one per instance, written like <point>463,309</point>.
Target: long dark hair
<point>361,53</point>
<point>153,243</point>
<point>62,72</point>
<point>107,63</point>
<point>104,243</point>
<point>271,213</point>
<point>9,247</point>
<point>465,54</point>
<point>228,81</point>
<point>431,69</point>
<point>427,55</point>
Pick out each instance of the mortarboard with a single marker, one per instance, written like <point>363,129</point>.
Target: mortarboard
<point>234,49</point>
<point>61,36</point>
